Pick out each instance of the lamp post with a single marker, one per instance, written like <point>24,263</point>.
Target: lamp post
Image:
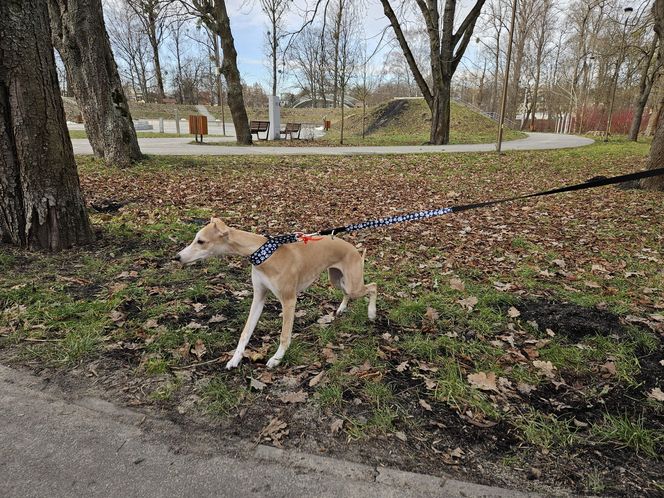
<point>621,56</point>
<point>503,104</point>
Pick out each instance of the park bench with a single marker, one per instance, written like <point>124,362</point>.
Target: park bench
<point>290,129</point>
<point>257,127</point>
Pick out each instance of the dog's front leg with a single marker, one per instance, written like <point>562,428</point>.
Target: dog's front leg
<point>288,309</point>
<point>254,314</point>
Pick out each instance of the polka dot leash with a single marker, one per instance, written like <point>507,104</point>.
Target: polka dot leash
<point>273,243</point>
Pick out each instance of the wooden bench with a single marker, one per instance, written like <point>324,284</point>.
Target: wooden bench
<point>290,129</point>
<point>257,127</point>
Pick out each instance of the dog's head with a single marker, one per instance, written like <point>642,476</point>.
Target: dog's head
<point>211,240</point>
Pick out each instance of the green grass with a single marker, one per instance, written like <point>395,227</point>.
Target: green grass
<point>625,432</point>
<point>220,398</point>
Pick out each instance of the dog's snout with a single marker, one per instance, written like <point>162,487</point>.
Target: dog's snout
<point>176,257</point>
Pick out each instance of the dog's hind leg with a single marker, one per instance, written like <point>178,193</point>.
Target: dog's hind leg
<point>336,279</point>
<point>354,287</point>
<point>288,308</point>
<point>254,314</point>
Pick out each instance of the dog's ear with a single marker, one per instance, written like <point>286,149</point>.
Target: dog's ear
<point>219,225</point>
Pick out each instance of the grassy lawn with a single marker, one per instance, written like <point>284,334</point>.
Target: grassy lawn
<point>516,341</point>
<point>140,134</point>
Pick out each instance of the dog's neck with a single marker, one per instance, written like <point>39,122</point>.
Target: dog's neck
<point>244,243</point>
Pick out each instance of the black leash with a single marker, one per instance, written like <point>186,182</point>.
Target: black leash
<point>273,243</point>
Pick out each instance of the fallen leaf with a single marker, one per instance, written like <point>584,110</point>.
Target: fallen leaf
<point>546,367</point>
<point>325,320</point>
<point>257,384</point>
<point>194,325</point>
<point>117,316</point>
<point>330,356</point>
<point>401,435</point>
<point>336,425</point>
<point>402,366</point>
<point>592,285</point>
<point>300,313</point>
<point>294,397</point>
<point>525,388</point>
<point>425,405</point>
<point>431,315</point>
<point>560,263</point>
<point>316,379</point>
<point>513,312</point>
<point>217,319</point>
<point>275,430</point>
<point>483,381</point>
<point>657,394</point>
<point>151,324</point>
<point>609,368</point>
<point>198,307</point>
<point>457,284</point>
<point>199,349</point>
<point>468,303</point>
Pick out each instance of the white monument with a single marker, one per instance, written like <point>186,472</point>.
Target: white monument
<point>275,117</point>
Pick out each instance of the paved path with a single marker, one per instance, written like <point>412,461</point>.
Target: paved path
<point>182,147</point>
<point>53,445</point>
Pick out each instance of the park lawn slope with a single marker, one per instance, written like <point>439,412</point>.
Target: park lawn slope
<point>519,345</point>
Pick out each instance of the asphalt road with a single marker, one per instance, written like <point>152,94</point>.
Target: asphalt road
<point>182,147</point>
<point>56,444</point>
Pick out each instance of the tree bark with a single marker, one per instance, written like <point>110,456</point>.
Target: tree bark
<point>232,74</point>
<point>41,206</point>
<point>657,148</point>
<point>645,86</point>
<point>79,35</point>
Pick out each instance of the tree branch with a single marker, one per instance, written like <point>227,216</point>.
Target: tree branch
<point>398,32</point>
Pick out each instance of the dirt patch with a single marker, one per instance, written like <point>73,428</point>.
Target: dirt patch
<point>570,320</point>
<point>386,114</point>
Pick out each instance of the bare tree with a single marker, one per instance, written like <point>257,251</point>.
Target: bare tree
<point>214,15</point>
<point>79,35</point>
<point>131,48</point>
<point>41,206</point>
<point>275,10</point>
<point>153,16</point>
<point>446,50</point>
<point>649,73</point>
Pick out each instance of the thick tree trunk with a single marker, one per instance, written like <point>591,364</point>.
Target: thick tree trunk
<point>41,206</point>
<point>655,115</point>
<point>79,35</point>
<point>232,74</point>
<point>657,147</point>
<point>440,115</point>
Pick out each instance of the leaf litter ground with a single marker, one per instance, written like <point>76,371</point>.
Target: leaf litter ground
<point>519,345</point>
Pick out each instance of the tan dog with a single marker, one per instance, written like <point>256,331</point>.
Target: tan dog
<point>289,271</point>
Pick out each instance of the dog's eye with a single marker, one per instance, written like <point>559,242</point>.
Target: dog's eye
<point>201,242</point>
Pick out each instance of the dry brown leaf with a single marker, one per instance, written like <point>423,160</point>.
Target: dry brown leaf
<point>217,319</point>
<point>199,349</point>
<point>656,393</point>
<point>457,284</point>
<point>151,324</point>
<point>325,320</point>
<point>198,307</point>
<point>513,312</point>
<point>425,405</point>
<point>336,425</point>
<point>257,384</point>
<point>316,379</point>
<point>294,397</point>
<point>483,381</point>
<point>402,366</point>
<point>401,436</point>
<point>469,303</point>
<point>330,356</point>
<point>117,316</point>
<point>546,367</point>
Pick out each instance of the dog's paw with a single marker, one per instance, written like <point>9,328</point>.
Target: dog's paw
<point>273,362</point>
<point>233,363</point>
<point>372,314</point>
